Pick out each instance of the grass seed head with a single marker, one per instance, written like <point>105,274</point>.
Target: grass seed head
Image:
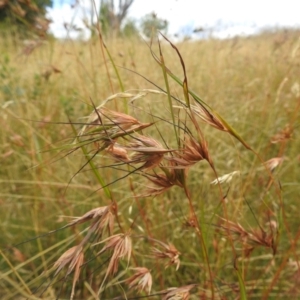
<point>273,163</point>
<point>72,256</point>
<point>252,238</point>
<point>225,178</point>
<point>192,153</point>
<point>283,135</point>
<point>118,152</point>
<point>148,151</point>
<point>169,252</point>
<point>94,213</point>
<point>108,125</point>
<point>161,183</point>
<point>121,246</point>
<point>181,293</point>
<point>208,117</point>
<point>141,280</point>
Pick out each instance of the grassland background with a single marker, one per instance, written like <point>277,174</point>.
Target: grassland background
<point>254,83</point>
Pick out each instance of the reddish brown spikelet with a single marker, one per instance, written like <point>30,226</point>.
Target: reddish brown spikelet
<point>169,252</point>
<point>112,124</point>
<point>92,214</point>
<point>272,163</point>
<point>141,280</point>
<point>181,293</point>
<point>208,117</point>
<point>118,152</point>
<point>76,265</point>
<point>73,257</point>
<point>251,238</point>
<point>102,217</point>
<point>106,221</point>
<point>192,153</point>
<point>161,183</point>
<point>120,119</point>
<point>121,246</point>
<point>147,151</point>
<point>18,255</point>
<point>283,135</point>
<point>110,117</point>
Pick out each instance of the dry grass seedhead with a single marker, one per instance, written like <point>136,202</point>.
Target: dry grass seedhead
<point>273,163</point>
<point>226,178</point>
<point>108,125</point>
<point>118,152</point>
<point>73,257</point>
<point>121,246</point>
<point>252,238</point>
<point>283,135</point>
<point>161,183</point>
<point>208,117</point>
<point>192,153</point>
<point>148,151</point>
<point>119,119</point>
<point>141,280</point>
<point>107,220</point>
<point>190,221</point>
<point>102,217</point>
<point>94,213</point>
<point>18,255</point>
<point>181,293</point>
<point>105,116</point>
<point>168,252</point>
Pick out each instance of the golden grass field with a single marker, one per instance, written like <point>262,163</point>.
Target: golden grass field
<point>138,173</point>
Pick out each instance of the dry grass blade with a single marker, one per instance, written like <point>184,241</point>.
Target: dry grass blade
<point>141,280</point>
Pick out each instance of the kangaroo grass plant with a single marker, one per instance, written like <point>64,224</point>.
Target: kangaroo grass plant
<point>178,203</point>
